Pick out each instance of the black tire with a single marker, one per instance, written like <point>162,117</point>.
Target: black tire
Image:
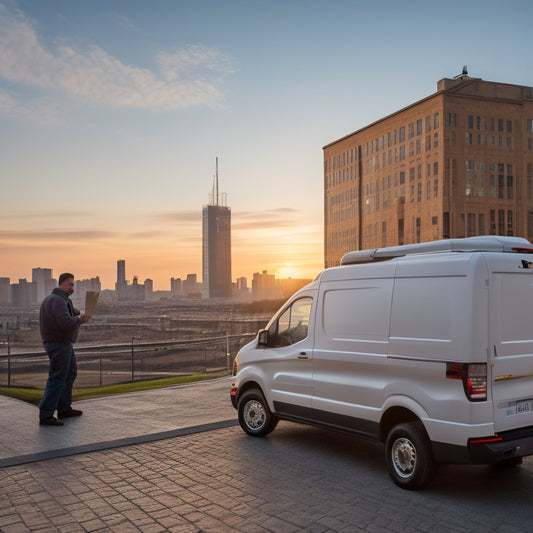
<point>255,417</point>
<point>408,455</point>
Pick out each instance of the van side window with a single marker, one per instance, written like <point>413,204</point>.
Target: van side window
<point>292,325</point>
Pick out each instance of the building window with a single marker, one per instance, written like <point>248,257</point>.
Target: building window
<point>446,225</point>
<point>500,124</point>
<point>529,126</point>
<point>436,168</point>
<point>411,174</point>
<point>435,120</point>
<point>501,182</point>
<point>509,223</point>
<point>402,177</point>
<point>509,126</point>
<point>419,126</point>
<point>435,140</point>
<point>492,228</point>
<point>468,137</point>
<point>402,134</point>
<point>501,222</point>
<point>435,188</point>
<point>418,146</point>
<point>412,193</point>
<point>428,142</point>
<point>419,193</point>
<point>529,180</point>
<point>434,221</point>
<point>419,171</point>
<point>470,121</point>
<point>452,119</point>
<point>402,152</point>
<point>411,130</point>
<point>411,149</point>
<point>418,227</point>
<point>428,190</point>
<point>428,123</point>
<point>492,125</point>
<point>482,224</point>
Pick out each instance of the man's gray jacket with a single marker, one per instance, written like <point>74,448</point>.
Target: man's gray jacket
<point>58,320</point>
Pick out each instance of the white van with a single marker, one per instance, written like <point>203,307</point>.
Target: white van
<point>425,347</point>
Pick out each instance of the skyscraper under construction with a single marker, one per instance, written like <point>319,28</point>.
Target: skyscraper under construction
<point>216,245</point>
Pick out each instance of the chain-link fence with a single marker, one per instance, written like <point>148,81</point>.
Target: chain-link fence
<point>121,363</point>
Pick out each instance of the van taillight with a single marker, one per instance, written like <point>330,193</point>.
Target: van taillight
<point>473,376</point>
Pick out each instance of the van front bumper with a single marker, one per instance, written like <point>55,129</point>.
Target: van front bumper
<point>233,395</point>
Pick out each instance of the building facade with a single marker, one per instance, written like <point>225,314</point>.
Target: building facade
<point>458,163</point>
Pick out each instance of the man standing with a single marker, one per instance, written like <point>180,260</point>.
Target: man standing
<point>59,323</point>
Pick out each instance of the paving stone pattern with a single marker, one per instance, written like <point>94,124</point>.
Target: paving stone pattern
<point>298,479</point>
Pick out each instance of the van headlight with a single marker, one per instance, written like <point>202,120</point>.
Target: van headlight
<point>235,366</point>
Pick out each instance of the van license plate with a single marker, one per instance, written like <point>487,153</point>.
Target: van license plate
<point>523,407</point>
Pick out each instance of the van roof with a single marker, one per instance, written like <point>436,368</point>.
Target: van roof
<point>488,243</point>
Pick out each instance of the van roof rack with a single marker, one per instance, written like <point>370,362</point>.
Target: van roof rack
<point>488,243</point>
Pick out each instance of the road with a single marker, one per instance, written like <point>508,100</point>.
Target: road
<point>297,479</point>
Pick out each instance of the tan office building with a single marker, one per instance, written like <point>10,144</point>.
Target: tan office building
<point>458,163</point>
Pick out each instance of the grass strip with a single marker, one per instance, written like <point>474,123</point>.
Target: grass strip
<point>34,395</point>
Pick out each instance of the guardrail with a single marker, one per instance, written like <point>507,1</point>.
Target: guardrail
<point>111,364</point>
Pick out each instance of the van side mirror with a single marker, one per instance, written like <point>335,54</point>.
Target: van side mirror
<point>262,337</point>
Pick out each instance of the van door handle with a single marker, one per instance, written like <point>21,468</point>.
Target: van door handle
<point>302,355</point>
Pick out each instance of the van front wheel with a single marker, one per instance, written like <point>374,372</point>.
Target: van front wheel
<point>408,455</point>
<point>255,417</point>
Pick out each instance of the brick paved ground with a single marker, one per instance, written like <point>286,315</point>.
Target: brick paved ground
<point>297,479</point>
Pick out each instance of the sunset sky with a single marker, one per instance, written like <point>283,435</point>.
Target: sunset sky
<point>112,114</point>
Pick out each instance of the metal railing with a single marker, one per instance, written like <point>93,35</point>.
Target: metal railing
<point>139,360</point>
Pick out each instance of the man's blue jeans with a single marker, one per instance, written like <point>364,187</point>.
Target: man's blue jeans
<point>61,376</point>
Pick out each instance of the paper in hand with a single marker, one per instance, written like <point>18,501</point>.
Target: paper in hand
<point>91,297</point>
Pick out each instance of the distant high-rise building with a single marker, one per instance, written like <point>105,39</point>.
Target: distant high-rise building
<point>5,291</point>
<point>191,287</point>
<point>176,287</point>
<point>23,293</point>
<point>148,289</point>
<point>216,246</point>
<point>42,277</point>
<point>121,271</point>
<point>121,286</point>
<point>81,286</point>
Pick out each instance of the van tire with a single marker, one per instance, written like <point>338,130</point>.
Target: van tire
<point>408,455</point>
<point>255,417</point>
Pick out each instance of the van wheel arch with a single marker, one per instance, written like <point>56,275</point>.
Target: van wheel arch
<point>247,386</point>
<point>392,417</point>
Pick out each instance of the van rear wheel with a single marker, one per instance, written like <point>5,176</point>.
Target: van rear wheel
<point>255,417</point>
<point>408,456</point>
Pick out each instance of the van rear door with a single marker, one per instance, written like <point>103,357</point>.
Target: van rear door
<point>511,331</point>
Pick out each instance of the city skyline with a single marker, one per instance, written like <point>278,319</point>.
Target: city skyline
<point>113,112</point>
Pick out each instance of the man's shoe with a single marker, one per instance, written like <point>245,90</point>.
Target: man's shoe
<point>69,413</point>
<point>50,421</point>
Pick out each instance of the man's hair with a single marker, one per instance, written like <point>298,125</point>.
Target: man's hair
<point>64,277</point>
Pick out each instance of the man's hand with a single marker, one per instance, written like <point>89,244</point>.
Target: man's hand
<point>84,318</point>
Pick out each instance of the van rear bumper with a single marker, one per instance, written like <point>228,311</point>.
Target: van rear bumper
<point>513,443</point>
<point>494,449</point>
